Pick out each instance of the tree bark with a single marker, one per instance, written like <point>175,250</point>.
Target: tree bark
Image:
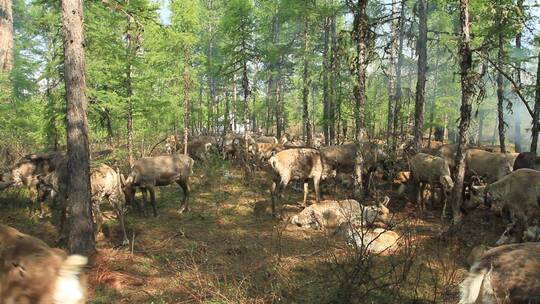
<point>481,117</point>
<point>500,95</point>
<point>399,65</point>
<point>536,110</point>
<point>211,77</point>
<point>279,110</point>
<point>467,92</point>
<point>433,99</point>
<point>326,84</point>
<point>6,36</point>
<point>305,89</point>
<point>227,120</point>
<point>81,232</point>
<point>245,80</point>
<point>187,84</point>
<point>275,88</point>
<point>129,89</point>
<point>360,35</point>
<point>234,104</point>
<point>517,118</point>
<point>422,70</point>
<point>333,76</point>
<point>392,72</point>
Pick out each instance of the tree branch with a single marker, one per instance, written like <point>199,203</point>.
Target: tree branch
<point>517,89</point>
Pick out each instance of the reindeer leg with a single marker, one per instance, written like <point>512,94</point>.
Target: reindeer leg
<point>98,218</point>
<point>316,186</point>
<point>306,190</point>
<point>119,207</point>
<point>185,203</point>
<point>273,193</point>
<point>419,194</point>
<point>276,203</point>
<point>142,205</point>
<point>443,201</point>
<point>153,200</point>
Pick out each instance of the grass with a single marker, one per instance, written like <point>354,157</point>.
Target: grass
<point>225,252</point>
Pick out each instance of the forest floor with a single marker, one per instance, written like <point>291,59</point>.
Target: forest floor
<point>229,249</point>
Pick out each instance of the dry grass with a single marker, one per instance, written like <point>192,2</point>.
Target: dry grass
<point>229,250</point>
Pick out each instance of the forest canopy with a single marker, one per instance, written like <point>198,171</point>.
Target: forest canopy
<point>273,66</point>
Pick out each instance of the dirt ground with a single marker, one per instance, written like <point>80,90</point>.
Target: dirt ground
<point>229,249</point>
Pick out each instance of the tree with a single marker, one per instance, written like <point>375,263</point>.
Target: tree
<point>6,36</point>
<point>500,93</point>
<point>501,25</point>
<point>360,34</point>
<point>326,81</point>
<point>517,126</point>
<point>467,91</point>
<point>238,26</point>
<point>131,51</point>
<point>399,65</point>
<point>422,70</point>
<point>306,130</point>
<point>392,71</point>
<point>186,88</point>
<point>536,111</point>
<point>185,23</point>
<point>81,235</point>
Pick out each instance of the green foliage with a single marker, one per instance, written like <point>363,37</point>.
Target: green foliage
<point>250,45</point>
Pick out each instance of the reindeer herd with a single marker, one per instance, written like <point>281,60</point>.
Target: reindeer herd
<point>508,183</point>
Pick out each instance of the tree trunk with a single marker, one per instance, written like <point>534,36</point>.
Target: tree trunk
<point>517,118</point>
<point>398,93</point>
<point>536,110</point>
<point>234,105</point>
<point>276,94</point>
<point>227,120</point>
<point>467,92</point>
<point>270,104</point>
<point>481,117</point>
<point>81,231</point>
<point>187,84</point>
<point>6,36</point>
<point>129,89</point>
<point>245,84</point>
<point>500,95</point>
<point>392,72</point>
<point>333,75</point>
<point>422,70</point>
<point>313,125</point>
<point>198,123</point>
<point>305,89</point>
<point>108,125</point>
<point>279,110</point>
<point>360,35</point>
<point>326,84</point>
<point>211,78</point>
<point>51,131</point>
<point>433,99</point>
